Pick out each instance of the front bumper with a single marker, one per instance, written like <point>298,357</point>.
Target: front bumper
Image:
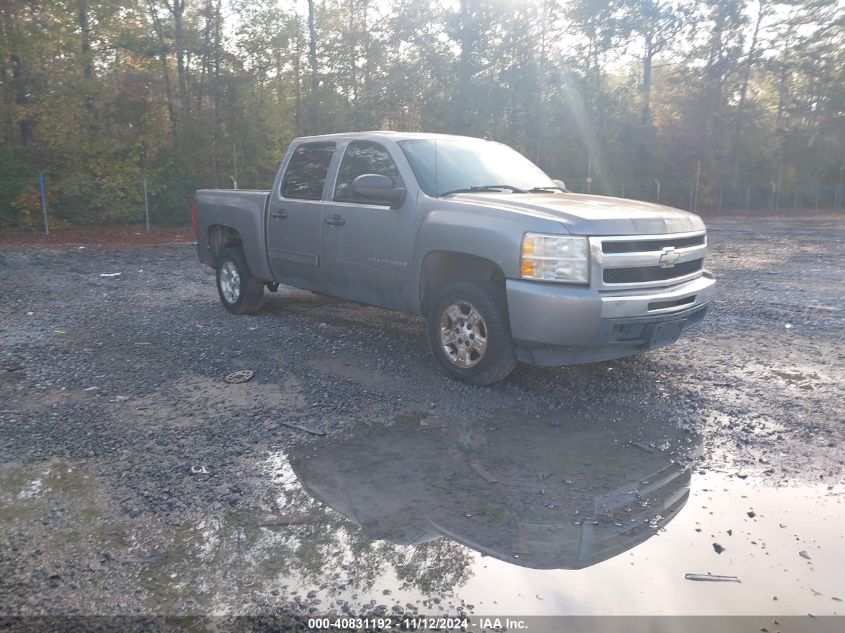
<point>565,325</point>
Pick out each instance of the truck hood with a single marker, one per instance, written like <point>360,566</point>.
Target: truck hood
<point>584,214</point>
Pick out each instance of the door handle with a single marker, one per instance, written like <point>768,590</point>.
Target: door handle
<point>335,220</point>
<point>279,215</point>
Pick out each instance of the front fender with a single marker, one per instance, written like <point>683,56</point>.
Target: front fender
<point>477,230</point>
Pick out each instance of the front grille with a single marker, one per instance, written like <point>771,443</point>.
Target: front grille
<point>643,274</point>
<point>645,246</point>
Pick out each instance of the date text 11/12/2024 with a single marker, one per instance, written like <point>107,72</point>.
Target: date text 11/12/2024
<point>415,624</point>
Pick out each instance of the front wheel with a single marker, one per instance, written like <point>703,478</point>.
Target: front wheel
<point>469,333</point>
<point>239,291</point>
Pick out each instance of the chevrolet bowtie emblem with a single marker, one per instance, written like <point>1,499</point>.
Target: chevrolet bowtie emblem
<point>669,257</point>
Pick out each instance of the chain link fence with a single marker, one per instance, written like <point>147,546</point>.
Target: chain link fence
<point>41,201</point>
<point>720,197</point>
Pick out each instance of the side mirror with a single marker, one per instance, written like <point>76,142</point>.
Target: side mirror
<point>560,184</point>
<point>378,189</point>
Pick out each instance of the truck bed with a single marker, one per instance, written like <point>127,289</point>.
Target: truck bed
<point>242,210</point>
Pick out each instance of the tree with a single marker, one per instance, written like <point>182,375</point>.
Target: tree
<point>657,23</point>
<point>101,94</point>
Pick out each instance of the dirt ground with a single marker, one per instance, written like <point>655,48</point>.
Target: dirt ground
<point>93,235</point>
<point>135,480</point>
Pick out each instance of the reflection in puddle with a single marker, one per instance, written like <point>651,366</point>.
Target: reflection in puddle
<point>547,495</point>
<point>406,517</point>
<point>557,515</point>
<point>594,513</point>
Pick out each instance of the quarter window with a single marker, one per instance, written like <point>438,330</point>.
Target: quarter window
<point>306,172</point>
<point>363,157</point>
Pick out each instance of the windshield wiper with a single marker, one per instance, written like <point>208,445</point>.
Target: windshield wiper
<point>482,188</point>
<point>550,189</point>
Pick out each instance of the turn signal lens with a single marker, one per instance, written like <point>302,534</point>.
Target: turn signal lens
<point>562,258</point>
<point>527,267</point>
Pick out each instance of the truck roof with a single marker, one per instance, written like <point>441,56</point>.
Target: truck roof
<point>378,134</point>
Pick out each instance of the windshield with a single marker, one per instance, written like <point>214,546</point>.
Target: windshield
<point>443,165</point>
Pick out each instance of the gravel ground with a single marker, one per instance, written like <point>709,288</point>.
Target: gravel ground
<point>112,395</point>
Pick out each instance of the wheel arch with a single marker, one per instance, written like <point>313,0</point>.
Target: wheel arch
<point>441,268</point>
<point>222,236</point>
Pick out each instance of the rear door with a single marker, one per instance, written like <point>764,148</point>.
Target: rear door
<point>294,216</point>
<point>366,247</point>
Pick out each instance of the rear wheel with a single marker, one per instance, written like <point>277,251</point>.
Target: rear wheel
<point>469,333</point>
<point>239,291</point>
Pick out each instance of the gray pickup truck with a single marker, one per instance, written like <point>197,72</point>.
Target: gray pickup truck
<point>504,263</point>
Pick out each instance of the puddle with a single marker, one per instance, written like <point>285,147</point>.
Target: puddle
<point>599,512</point>
<point>550,494</point>
<point>53,487</point>
<point>52,517</point>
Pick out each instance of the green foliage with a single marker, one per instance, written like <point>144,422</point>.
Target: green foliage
<point>17,183</point>
<point>172,189</point>
<point>103,94</point>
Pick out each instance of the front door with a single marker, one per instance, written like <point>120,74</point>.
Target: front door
<point>295,217</point>
<point>366,247</point>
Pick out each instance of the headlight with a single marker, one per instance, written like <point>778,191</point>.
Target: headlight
<point>555,258</point>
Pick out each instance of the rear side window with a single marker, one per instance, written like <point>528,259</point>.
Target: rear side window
<point>307,170</point>
<point>363,157</point>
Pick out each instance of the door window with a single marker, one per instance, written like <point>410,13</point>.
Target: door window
<point>306,172</point>
<point>363,157</point>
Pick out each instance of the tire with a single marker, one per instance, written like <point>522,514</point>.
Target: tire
<point>240,292</point>
<point>454,333</point>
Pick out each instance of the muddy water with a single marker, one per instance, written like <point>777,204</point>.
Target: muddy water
<point>596,512</point>
<point>600,512</point>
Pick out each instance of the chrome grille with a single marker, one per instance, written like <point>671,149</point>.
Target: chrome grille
<point>642,261</point>
<point>650,273</point>
<point>644,246</point>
